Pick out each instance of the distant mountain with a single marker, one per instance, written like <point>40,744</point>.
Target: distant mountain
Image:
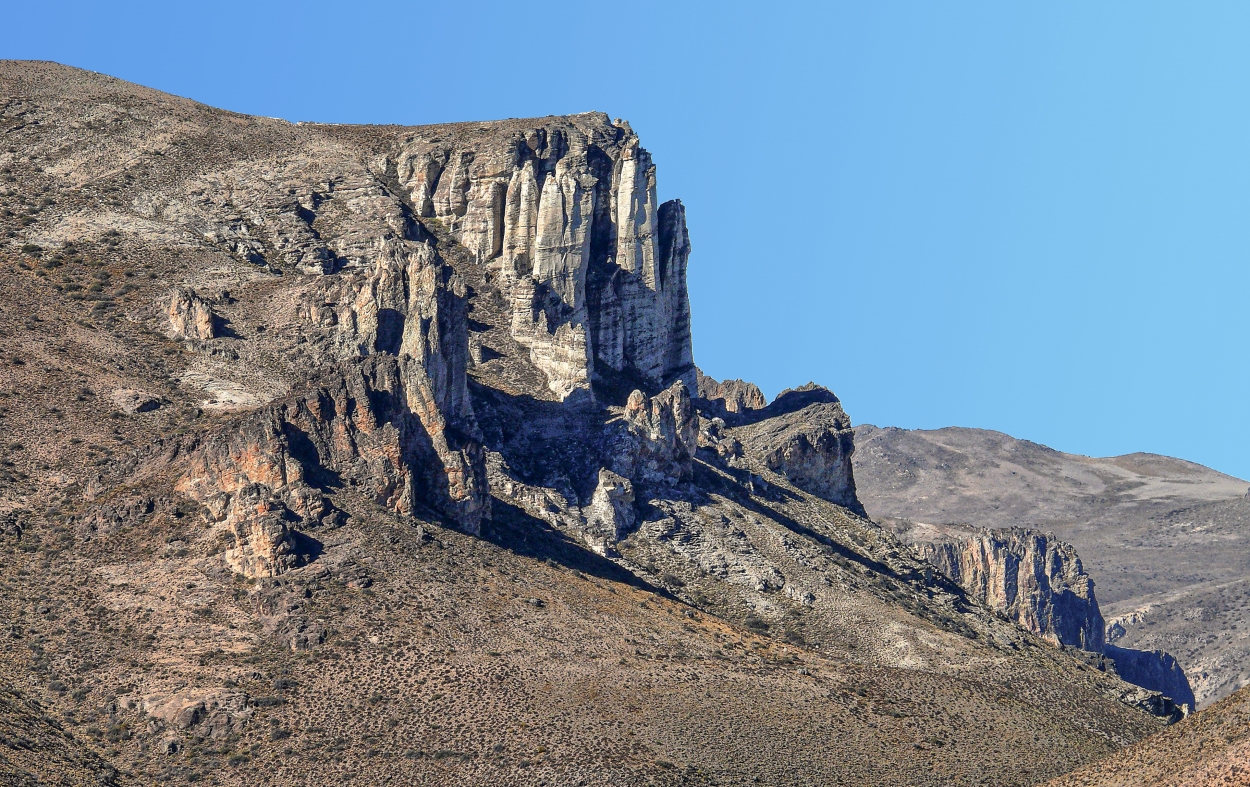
<point>1166,541</point>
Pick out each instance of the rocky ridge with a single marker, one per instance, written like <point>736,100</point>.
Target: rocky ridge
<point>426,479</point>
<point>1163,537</point>
<point>1038,581</point>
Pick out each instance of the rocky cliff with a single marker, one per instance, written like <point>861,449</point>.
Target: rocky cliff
<point>1038,581</point>
<point>564,213</point>
<point>1181,584</point>
<point>1033,578</point>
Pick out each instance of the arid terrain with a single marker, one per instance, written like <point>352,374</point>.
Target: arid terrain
<point>377,455</point>
<point>1163,539</point>
<point>1211,748</point>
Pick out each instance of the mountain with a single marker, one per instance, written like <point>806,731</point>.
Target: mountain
<point>1209,748</point>
<point>1163,539</point>
<point>372,453</point>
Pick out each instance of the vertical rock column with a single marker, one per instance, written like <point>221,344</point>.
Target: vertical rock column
<point>546,247</point>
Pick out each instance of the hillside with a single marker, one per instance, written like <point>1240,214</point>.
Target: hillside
<point>1210,748</point>
<point>362,454</point>
<point>1163,539</point>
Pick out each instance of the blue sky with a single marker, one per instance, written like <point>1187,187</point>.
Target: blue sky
<point>1023,217</point>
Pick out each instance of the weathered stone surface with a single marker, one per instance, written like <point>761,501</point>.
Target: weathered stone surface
<point>736,396</point>
<point>215,714</point>
<point>593,266</point>
<point>806,436</point>
<point>131,401</point>
<point>611,514</point>
<point>1035,579</point>
<point>661,439</point>
<point>374,421</point>
<point>263,544</point>
<point>190,316</point>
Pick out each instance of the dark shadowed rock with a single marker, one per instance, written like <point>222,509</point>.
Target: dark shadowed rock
<point>806,436</point>
<point>736,396</point>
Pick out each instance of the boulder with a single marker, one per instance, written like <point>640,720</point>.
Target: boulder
<point>190,316</point>
<point>131,401</point>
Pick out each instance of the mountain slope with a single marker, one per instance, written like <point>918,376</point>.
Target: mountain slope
<point>1209,748</point>
<point>354,453</point>
<point>1164,539</point>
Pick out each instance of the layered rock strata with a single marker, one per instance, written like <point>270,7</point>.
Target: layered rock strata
<point>1033,578</point>
<point>592,265</point>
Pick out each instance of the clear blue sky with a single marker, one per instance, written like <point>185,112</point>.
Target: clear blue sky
<point>1030,217</point>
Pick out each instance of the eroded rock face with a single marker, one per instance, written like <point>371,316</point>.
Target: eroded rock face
<point>388,409</point>
<point>593,266</point>
<point>374,421</point>
<point>1038,581</point>
<point>806,436</point>
<point>1035,579</point>
<point>736,396</point>
<point>263,544</point>
<point>611,513</point>
<point>190,316</point>
<point>216,714</point>
<point>1154,670</point>
<point>661,439</point>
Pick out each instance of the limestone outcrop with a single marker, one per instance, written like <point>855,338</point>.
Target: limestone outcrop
<point>190,316</point>
<point>1033,578</point>
<point>389,410</point>
<point>806,436</point>
<point>736,396</point>
<point>1039,582</point>
<point>592,265</point>
<point>374,422</point>
<point>611,514</point>
<point>659,444</point>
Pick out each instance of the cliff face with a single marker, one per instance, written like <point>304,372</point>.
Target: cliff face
<point>1178,588</point>
<point>1033,578</point>
<point>1154,670</point>
<point>1038,581</point>
<point>565,214</point>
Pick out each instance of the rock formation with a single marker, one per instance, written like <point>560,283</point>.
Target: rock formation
<point>661,437</point>
<point>806,436</point>
<point>445,464</point>
<point>1034,579</point>
<point>593,267</point>
<point>375,421</point>
<point>1154,670</point>
<point>1038,581</point>
<point>190,316</point>
<point>1177,587</point>
<point>736,396</point>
